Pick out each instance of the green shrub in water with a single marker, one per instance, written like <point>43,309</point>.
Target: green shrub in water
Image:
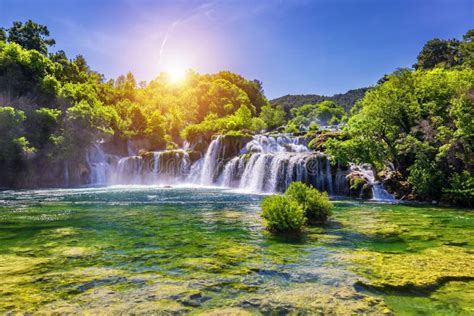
<point>315,204</point>
<point>282,214</point>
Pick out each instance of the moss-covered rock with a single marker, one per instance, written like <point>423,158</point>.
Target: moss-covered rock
<point>359,187</point>
<point>396,184</point>
<point>319,139</point>
<point>423,271</point>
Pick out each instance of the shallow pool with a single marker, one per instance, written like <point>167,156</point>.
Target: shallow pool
<point>193,250</point>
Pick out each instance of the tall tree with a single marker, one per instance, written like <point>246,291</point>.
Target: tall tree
<point>31,35</point>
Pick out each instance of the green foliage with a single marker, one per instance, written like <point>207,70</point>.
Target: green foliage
<point>241,120</point>
<point>328,112</point>
<point>292,127</point>
<point>282,214</point>
<point>316,205</point>
<point>137,121</point>
<point>273,117</point>
<point>11,121</point>
<point>461,189</point>
<point>84,123</point>
<point>155,130</point>
<point>31,35</point>
<point>12,143</point>
<point>426,178</point>
<point>3,35</point>
<point>346,100</point>
<point>447,53</point>
<point>26,73</point>
<point>40,125</point>
<point>420,121</point>
<point>325,112</point>
<point>299,205</point>
<point>313,127</point>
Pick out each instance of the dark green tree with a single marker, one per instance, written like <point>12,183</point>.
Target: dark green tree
<point>31,35</point>
<point>3,35</point>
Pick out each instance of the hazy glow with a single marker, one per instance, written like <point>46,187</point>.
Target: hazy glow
<point>176,73</point>
<point>176,67</point>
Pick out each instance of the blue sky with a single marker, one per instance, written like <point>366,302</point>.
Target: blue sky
<point>293,46</point>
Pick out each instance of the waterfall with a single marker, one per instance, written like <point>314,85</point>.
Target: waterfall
<point>255,173</point>
<point>210,163</point>
<point>271,163</point>
<point>378,191</point>
<point>230,172</point>
<point>261,164</point>
<point>98,165</point>
<point>341,187</point>
<point>158,167</point>
<point>282,143</point>
<point>66,174</point>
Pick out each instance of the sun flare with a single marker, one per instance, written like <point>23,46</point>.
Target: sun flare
<point>177,74</point>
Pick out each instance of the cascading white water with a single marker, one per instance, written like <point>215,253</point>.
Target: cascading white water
<point>208,170</point>
<point>272,144</point>
<point>66,174</point>
<point>99,167</point>
<point>159,167</point>
<point>265,164</point>
<point>271,163</point>
<point>378,191</point>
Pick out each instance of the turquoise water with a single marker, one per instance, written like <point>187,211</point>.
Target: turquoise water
<point>195,250</point>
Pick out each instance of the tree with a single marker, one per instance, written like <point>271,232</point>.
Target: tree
<point>155,130</point>
<point>467,48</point>
<point>420,121</point>
<point>138,121</point>
<point>447,53</point>
<point>26,73</point>
<point>3,35</point>
<point>40,124</point>
<point>31,35</point>
<point>12,144</point>
<point>272,116</point>
<point>85,123</point>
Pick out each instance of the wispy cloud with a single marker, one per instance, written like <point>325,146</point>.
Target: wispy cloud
<point>204,9</point>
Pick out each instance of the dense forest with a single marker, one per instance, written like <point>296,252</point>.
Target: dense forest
<point>415,126</point>
<point>346,100</point>
<point>54,107</point>
<point>420,123</point>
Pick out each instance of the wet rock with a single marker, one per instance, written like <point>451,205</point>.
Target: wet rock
<point>359,187</point>
<point>194,299</point>
<point>395,183</point>
<point>253,302</point>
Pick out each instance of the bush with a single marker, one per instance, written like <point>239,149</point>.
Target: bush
<point>299,205</point>
<point>282,214</point>
<point>316,205</point>
<point>461,191</point>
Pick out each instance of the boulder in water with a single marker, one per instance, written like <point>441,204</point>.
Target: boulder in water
<point>359,186</point>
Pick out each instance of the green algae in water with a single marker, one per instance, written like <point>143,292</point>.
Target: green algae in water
<point>187,250</point>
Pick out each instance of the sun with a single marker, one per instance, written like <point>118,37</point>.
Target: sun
<point>177,74</point>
